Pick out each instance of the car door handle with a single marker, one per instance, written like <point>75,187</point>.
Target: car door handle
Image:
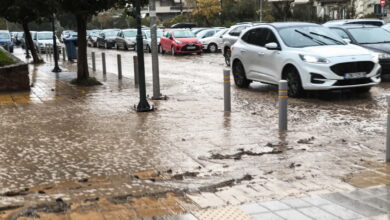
<point>260,53</point>
<point>243,51</point>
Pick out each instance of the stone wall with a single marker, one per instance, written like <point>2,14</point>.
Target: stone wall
<point>14,77</point>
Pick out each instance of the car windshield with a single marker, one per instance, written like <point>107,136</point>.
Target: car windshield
<point>183,34</point>
<point>370,35</point>
<point>130,33</point>
<point>111,33</point>
<point>4,35</point>
<point>45,36</point>
<point>159,34</point>
<point>308,36</point>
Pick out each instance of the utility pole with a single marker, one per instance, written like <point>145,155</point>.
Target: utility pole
<point>221,14</point>
<point>155,64</point>
<point>143,105</point>
<point>56,69</point>
<point>261,10</point>
<point>181,7</point>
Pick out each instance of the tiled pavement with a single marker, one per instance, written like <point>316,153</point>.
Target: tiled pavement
<point>367,203</point>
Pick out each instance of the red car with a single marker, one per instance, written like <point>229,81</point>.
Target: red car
<point>180,42</point>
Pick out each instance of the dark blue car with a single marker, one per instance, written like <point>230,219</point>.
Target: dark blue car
<point>6,41</point>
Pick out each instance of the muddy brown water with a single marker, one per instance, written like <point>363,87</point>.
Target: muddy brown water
<point>66,133</point>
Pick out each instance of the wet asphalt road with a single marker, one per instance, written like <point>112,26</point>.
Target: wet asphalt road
<point>94,132</point>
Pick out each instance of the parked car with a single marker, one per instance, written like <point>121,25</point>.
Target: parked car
<point>197,30</point>
<point>107,38</point>
<point>44,39</point>
<point>6,41</point>
<point>370,37</point>
<point>148,39</point>
<point>206,33</point>
<point>308,56</point>
<point>231,37</point>
<point>126,39</point>
<point>386,27</point>
<point>92,38</point>
<point>23,40</point>
<point>180,42</point>
<point>18,38</point>
<point>367,21</point>
<point>214,43</point>
<point>68,34</point>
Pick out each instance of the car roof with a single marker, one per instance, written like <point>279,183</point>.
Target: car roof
<point>354,21</point>
<point>352,26</point>
<point>280,25</point>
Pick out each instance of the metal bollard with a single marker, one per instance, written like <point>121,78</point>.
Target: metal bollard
<point>388,131</point>
<point>119,66</point>
<point>93,62</point>
<point>136,74</point>
<point>283,97</point>
<point>63,53</point>
<point>226,90</point>
<point>104,63</point>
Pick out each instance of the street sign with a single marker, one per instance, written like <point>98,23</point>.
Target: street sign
<point>382,3</point>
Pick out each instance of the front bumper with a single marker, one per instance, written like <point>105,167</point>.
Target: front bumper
<point>48,48</point>
<point>385,63</point>
<point>188,48</point>
<point>321,76</point>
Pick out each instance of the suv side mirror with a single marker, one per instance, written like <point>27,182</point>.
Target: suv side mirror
<point>272,46</point>
<point>348,41</point>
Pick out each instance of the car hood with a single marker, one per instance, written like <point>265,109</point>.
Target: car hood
<point>5,41</point>
<point>187,40</point>
<point>381,47</point>
<point>47,41</point>
<point>335,50</point>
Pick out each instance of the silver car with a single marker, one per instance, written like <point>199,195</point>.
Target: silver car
<point>126,39</point>
<point>230,38</point>
<point>147,40</point>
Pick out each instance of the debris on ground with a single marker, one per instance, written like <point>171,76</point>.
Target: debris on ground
<point>241,153</point>
<point>306,141</point>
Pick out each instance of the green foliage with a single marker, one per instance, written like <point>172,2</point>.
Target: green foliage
<point>27,11</point>
<point>90,81</point>
<point>5,59</point>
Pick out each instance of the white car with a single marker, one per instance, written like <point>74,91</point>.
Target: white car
<point>43,40</point>
<point>214,43</point>
<point>308,56</point>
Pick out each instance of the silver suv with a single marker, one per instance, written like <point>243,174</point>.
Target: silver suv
<point>231,37</point>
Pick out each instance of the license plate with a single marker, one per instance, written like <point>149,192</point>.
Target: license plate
<point>355,75</point>
<point>191,47</point>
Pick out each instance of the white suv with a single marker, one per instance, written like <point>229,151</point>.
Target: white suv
<point>309,56</point>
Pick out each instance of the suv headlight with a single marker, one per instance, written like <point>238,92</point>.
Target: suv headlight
<point>313,59</point>
<point>383,56</point>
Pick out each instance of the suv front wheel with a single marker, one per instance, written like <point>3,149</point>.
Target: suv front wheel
<point>295,89</point>
<point>239,75</point>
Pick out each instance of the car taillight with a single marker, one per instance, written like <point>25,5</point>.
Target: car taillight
<point>232,48</point>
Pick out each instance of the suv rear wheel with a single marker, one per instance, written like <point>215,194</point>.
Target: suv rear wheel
<point>239,75</point>
<point>295,89</point>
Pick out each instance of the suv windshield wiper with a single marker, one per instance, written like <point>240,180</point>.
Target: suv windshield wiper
<point>310,37</point>
<point>327,37</point>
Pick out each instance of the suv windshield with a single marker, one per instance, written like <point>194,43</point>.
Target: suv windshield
<point>370,35</point>
<point>308,36</point>
<point>45,36</point>
<point>130,33</point>
<point>4,35</point>
<point>183,34</point>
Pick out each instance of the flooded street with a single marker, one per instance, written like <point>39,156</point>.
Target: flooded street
<point>58,135</point>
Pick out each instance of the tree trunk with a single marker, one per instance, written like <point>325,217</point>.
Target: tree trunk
<point>82,59</point>
<point>30,44</point>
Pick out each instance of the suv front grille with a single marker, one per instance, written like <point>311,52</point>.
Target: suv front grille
<point>352,67</point>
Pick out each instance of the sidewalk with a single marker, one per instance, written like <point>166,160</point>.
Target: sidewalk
<point>364,204</point>
<point>90,148</point>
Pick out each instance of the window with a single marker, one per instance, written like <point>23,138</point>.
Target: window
<point>260,37</point>
<point>341,33</point>
<point>237,31</point>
